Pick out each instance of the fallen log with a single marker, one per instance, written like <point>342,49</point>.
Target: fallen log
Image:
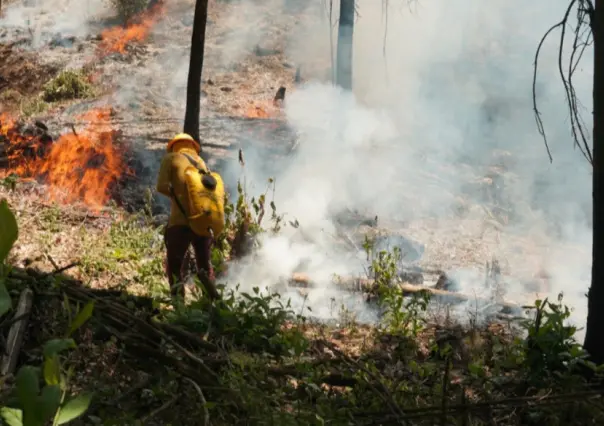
<point>366,285</point>
<point>16,333</point>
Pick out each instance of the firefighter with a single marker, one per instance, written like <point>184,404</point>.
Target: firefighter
<point>178,234</point>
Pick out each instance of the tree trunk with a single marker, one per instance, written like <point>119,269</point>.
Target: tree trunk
<point>344,53</point>
<point>594,343</point>
<point>195,68</point>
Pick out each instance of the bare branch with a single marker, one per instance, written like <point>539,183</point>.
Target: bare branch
<point>582,39</point>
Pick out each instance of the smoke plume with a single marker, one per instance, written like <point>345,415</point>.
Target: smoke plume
<point>441,95</point>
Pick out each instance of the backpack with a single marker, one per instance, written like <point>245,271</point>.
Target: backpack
<point>206,193</point>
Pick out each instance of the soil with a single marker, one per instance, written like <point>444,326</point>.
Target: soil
<point>21,74</point>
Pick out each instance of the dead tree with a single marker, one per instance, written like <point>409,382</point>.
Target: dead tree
<point>344,52</point>
<point>192,112</point>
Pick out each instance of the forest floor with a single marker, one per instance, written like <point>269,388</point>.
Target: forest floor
<point>115,92</point>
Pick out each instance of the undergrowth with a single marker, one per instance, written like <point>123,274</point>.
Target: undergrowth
<point>279,366</point>
<point>69,84</point>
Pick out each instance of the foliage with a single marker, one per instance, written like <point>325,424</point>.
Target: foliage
<point>243,225</point>
<point>8,230</point>
<point>276,366</point>
<point>9,233</point>
<point>31,405</point>
<point>69,84</point>
<point>399,315</point>
<point>251,321</point>
<point>550,349</point>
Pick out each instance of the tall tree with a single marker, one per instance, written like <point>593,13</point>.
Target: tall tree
<point>198,39</point>
<point>594,343</point>
<point>344,53</point>
<point>587,13</point>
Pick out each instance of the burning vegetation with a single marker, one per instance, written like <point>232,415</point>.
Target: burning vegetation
<point>78,166</point>
<point>267,109</point>
<point>117,39</point>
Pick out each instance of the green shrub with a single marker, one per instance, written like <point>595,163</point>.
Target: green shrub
<point>68,84</point>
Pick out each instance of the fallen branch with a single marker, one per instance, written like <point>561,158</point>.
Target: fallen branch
<point>17,330</point>
<point>123,318</point>
<point>206,413</point>
<point>380,389</point>
<point>366,285</point>
<point>158,410</point>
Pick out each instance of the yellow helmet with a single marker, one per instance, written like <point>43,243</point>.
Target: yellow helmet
<point>183,137</point>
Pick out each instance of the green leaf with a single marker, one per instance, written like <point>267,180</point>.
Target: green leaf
<point>82,316</point>
<point>9,231</point>
<point>11,416</point>
<point>5,301</point>
<point>28,387</point>
<point>48,403</point>
<point>55,346</point>
<point>73,408</point>
<point>52,371</point>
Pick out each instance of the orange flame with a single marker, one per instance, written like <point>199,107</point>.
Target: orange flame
<point>115,40</point>
<point>268,109</point>
<point>82,166</point>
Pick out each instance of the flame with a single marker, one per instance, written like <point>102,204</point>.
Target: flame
<point>115,40</point>
<point>82,166</point>
<point>256,112</point>
<point>269,109</point>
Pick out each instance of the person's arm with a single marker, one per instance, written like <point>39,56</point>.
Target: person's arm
<point>164,177</point>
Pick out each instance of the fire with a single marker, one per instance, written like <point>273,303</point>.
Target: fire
<point>256,112</point>
<point>263,110</point>
<point>81,165</point>
<point>21,154</point>
<point>115,40</point>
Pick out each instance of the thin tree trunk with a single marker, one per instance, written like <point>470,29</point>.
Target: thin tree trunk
<point>195,68</point>
<point>594,343</point>
<point>344,53</point>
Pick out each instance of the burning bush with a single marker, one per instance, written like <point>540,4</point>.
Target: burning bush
<point>138,23</point>
<point>78,166</point>
<point>68,84</point>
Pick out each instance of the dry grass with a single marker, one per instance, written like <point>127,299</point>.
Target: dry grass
<point>113,250</point>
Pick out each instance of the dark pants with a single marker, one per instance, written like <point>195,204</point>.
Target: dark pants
<point>178,238</point>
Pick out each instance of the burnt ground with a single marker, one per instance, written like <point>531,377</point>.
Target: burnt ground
<point>21,75</point>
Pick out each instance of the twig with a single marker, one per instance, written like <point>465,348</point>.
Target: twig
<point>206,413</point>
<point>16,333</point>
<point>59,270</point>
<point>159,409</point>
<point>585,8</point>
<point>521,401</point>
<point>385,395</point>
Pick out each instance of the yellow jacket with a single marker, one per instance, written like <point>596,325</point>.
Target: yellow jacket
<point>172,171</point>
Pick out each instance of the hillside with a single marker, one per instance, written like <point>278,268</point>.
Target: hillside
<point>392,317</point>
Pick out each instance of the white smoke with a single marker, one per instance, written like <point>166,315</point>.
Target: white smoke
<point>455,85</point>
<point>45,18</point>
<point>439,86</point>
